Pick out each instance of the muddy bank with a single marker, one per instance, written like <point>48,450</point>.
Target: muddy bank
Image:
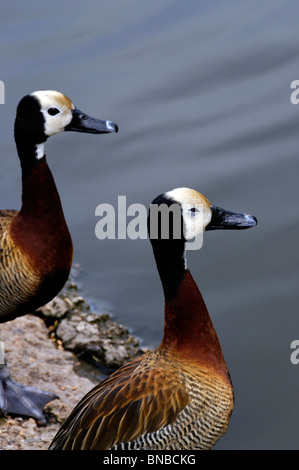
<point>65,348</point>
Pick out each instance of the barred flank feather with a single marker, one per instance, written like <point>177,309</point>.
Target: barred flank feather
<point>18,282</point>
<point>155,402</point>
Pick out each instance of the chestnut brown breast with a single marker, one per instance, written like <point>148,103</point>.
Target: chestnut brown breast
<point>35,246</point>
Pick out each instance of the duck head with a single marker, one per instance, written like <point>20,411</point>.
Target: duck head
<point>200,215</point>
<point>175,218</point>
<point>48,112</point>
<point>192,214</point>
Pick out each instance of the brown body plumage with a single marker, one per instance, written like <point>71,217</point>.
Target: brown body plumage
<point>35,244</point>
<point>169,398</point>
<point>180,395</point>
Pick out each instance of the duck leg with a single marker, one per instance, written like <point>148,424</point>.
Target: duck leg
<point>18,399</point>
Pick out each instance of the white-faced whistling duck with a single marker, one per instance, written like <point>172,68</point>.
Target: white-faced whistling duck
<point>35,244</point>
<point>180,395</point>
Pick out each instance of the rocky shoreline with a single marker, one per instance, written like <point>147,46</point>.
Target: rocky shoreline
<point>65,348</point>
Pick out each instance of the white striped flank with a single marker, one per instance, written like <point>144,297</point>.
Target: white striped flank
<point>200,425</point>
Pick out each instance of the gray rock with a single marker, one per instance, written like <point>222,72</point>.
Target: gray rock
<point>94,336</point>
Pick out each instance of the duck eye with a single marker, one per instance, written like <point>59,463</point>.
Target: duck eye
<point>193,211</point>
<point>53,111</point>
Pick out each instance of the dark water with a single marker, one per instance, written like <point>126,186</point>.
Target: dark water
<point>201,93</point>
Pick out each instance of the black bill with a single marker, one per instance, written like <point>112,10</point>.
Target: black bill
<point>81,122</point>
<point>227,220</point>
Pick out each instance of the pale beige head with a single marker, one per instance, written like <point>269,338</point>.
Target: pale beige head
<point>200,215</point>
<point>57,110</point>
<point>44,113</point>
<point>195,208</point>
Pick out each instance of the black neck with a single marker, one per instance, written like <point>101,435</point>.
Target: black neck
<point>28,156</point>
<point>27,143</point>
<point>165,228</point>
<point>170,260</point>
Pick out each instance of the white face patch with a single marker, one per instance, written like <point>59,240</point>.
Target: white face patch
<point>56,109</point>
<point>196,210</point>
<point>193,220</point>
<point>40,151</point>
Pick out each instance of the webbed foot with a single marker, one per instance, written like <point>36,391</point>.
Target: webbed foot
<point>22,400</point>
